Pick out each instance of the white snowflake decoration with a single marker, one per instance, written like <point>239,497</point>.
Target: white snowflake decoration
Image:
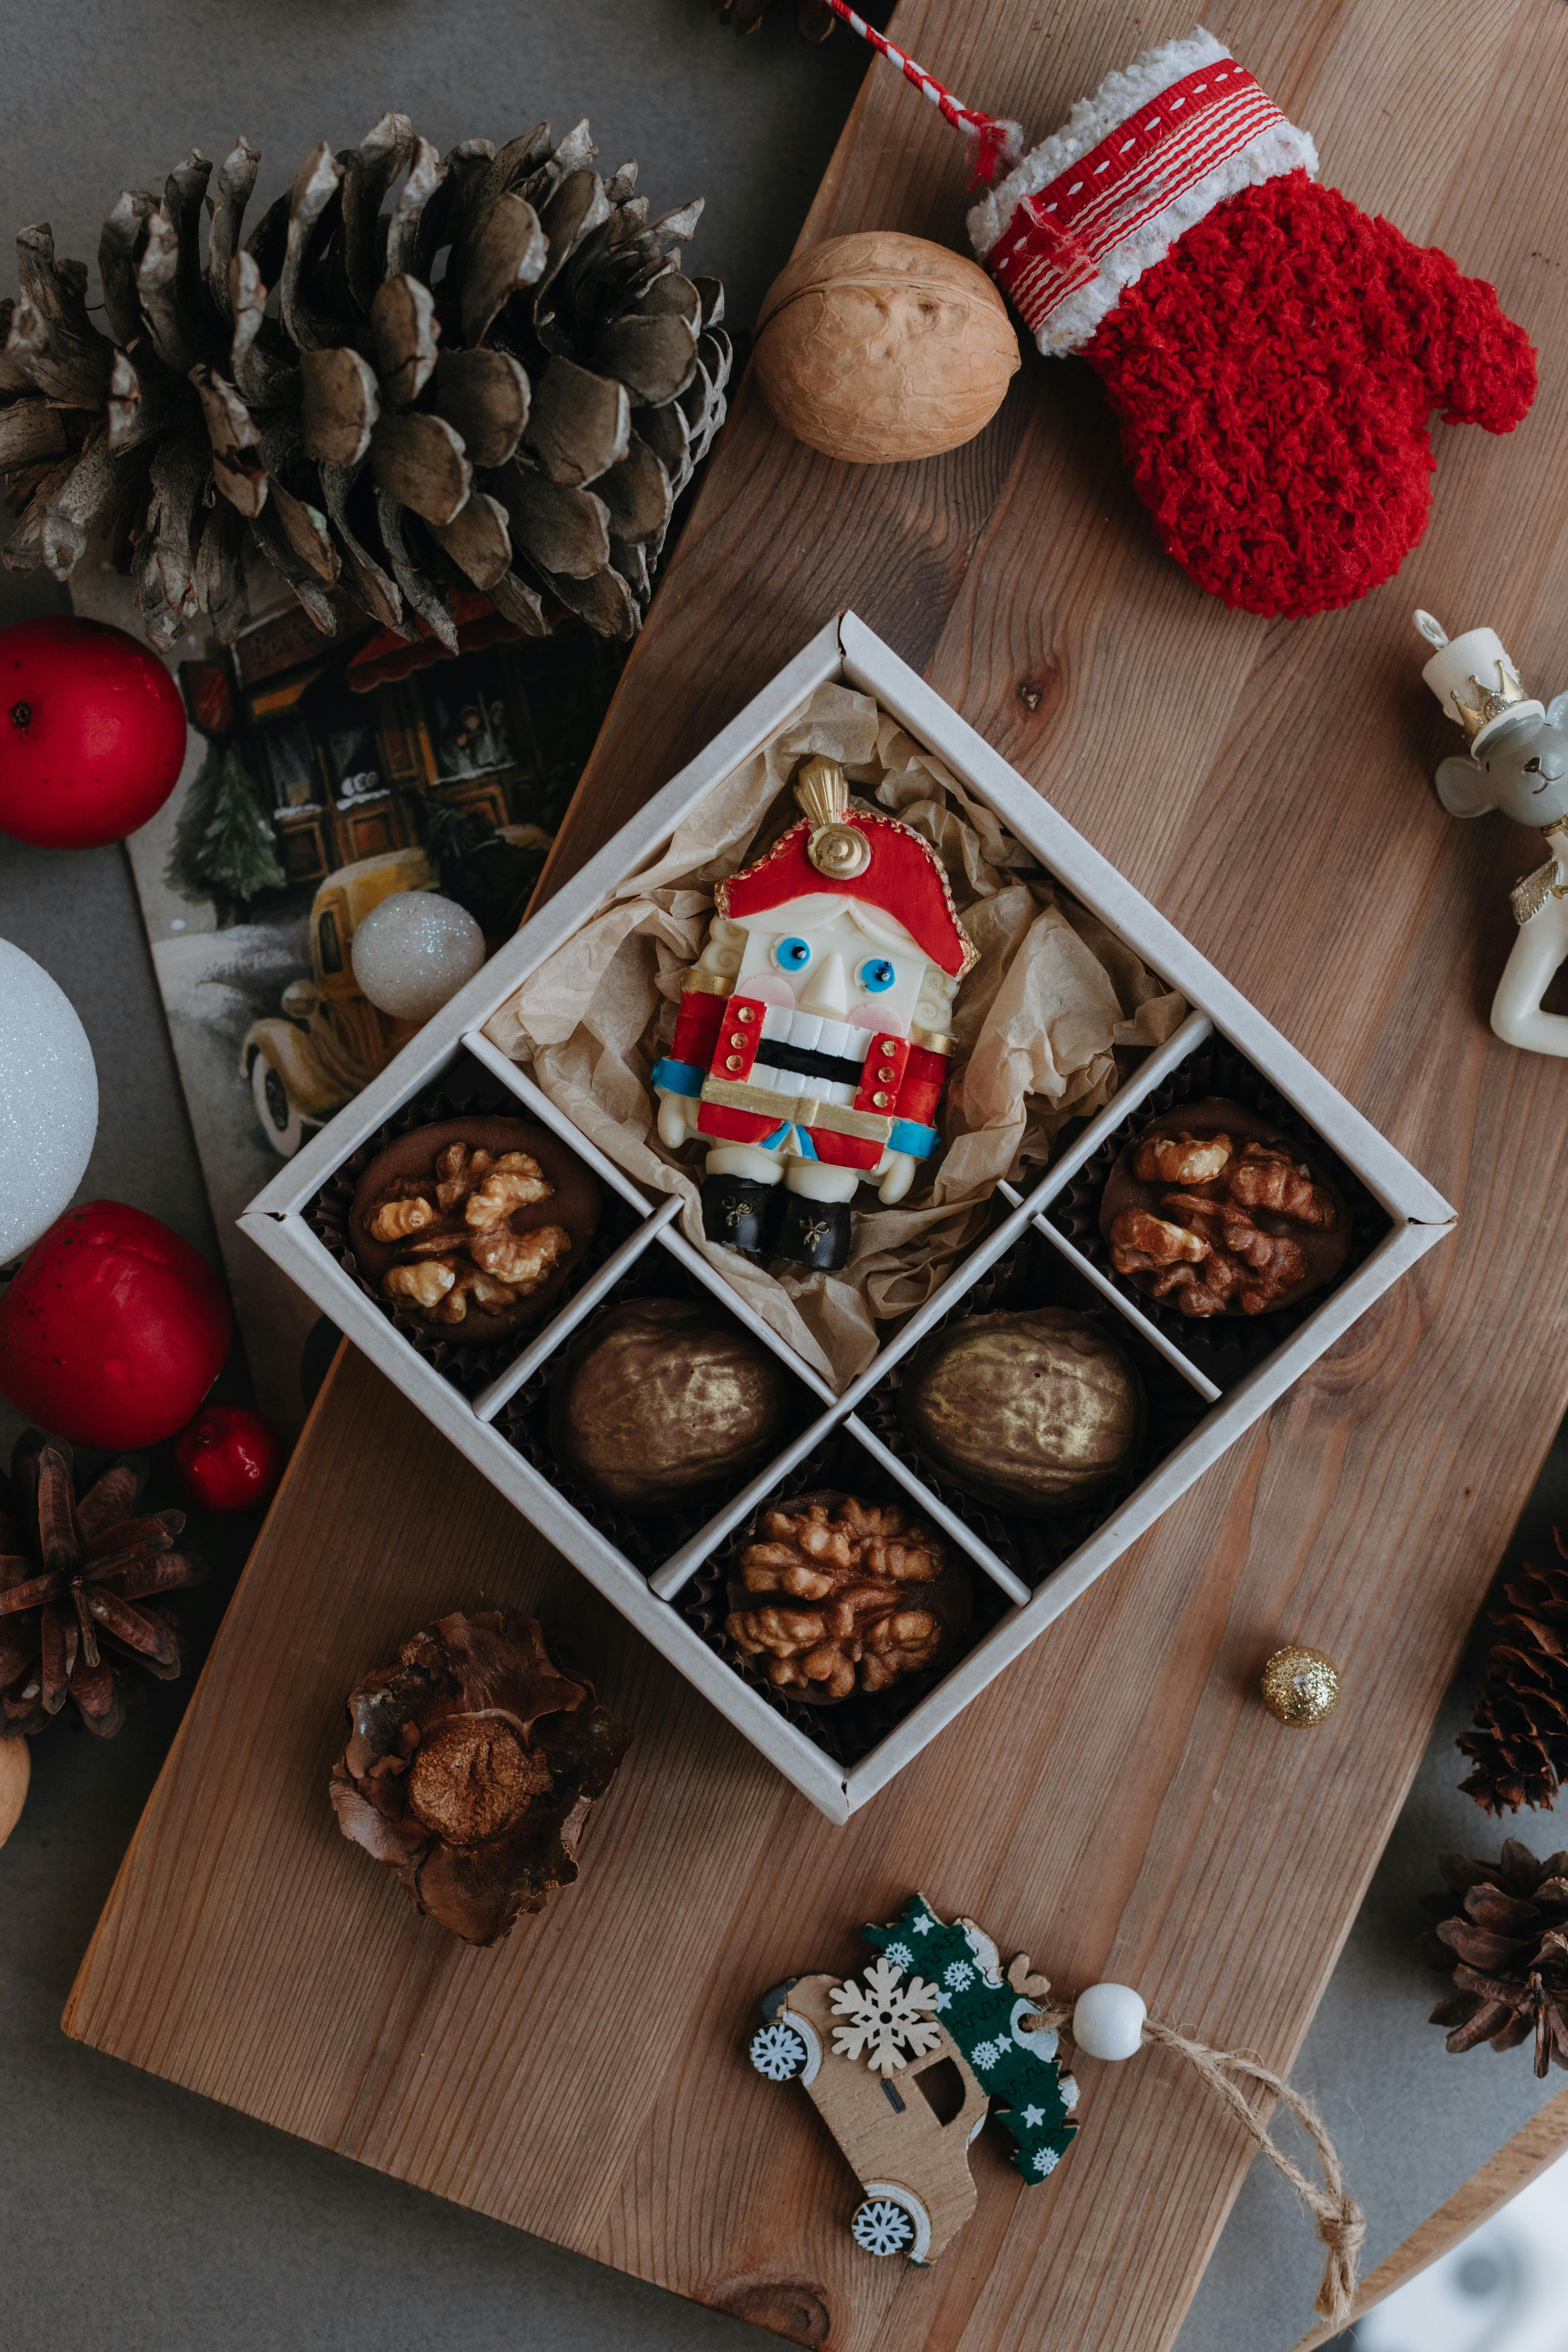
<point>890,2023</point>
<point>901,1956</point>
<point>984,2054</point>
<point>777,2051</point>
<point>958,1973</point>
<point>1046,2159</point>
<point>882,2227</point>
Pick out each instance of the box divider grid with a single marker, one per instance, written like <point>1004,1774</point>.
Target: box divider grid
<point>1129,1313</point>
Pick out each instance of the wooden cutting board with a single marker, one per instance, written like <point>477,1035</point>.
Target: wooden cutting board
<point>1118,1804</point>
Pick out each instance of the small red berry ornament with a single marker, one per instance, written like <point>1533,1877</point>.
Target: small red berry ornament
<point>114,1329</point>
<point>230,1459</point>
<point>92,733</point>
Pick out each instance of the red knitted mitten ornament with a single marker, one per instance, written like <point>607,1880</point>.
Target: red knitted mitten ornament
<point>1273,352</point>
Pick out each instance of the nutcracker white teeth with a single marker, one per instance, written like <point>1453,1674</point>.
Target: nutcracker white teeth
<point>813,1037</point>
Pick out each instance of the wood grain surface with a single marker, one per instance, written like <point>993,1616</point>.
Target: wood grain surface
<point>1118,1804</point>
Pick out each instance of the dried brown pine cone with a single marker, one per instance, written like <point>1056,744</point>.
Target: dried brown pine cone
<point>1518,1744</point>
<point>501,382</point>
<point>80,1580</point>
<point>861,1595</point>
<point>470,1769</point>
<point>1511,1943</point>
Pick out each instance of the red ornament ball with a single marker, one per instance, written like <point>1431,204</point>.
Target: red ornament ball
<point>114,1329</point>
<point>230,1459</point>
<point>92,733</point>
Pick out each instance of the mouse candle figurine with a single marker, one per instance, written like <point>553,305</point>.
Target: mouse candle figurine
<point>1518,762</point>
<point>812,1041</point>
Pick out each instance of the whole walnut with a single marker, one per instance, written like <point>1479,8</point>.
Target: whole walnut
<point>853,1597</point>
<point>880,347</point>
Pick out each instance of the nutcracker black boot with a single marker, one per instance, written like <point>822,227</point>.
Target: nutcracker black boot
<point>813,1233</point>
<point>741,1213</point>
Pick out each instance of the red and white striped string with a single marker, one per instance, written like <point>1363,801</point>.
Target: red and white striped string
<point>996,141</point>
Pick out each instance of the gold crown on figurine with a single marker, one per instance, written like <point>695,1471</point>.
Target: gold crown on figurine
<point>838,850</point>
<point>1491,701</point>
<point>1461,673</point>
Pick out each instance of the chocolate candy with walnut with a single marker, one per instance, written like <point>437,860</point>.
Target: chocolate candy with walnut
<point>470,1767</point>
<point>662,1397</point>
<point>1214,1211</point>
<point>1037,1410</point>
<point>839,1596</point>
<point>469,1228</point>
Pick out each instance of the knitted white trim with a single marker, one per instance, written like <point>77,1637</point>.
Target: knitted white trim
<point>1281,148</point>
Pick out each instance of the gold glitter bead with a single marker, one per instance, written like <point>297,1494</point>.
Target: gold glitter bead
<point>1300,1686</point>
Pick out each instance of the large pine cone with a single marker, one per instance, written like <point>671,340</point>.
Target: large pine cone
<point>385,424</point>
<point>81,1578</point>
<point>1511,1943</point>
<point>1518,1744</point>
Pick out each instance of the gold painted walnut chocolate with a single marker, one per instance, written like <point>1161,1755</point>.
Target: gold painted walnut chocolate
<point>661,1399</point>
<point>1037,1410</point>
<point>1214,1211</point>
<point>854,1597</point>
<point>470,1769</point>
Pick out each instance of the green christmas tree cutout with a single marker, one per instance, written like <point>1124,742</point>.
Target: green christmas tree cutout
<point>980,2011</point>
<point>224,851</point>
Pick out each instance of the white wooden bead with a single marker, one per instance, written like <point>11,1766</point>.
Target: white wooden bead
<point>1107,2022</point>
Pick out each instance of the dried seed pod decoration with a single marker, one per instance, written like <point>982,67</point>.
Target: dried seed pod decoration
<point>367,436</point>
<point>470,1767</point>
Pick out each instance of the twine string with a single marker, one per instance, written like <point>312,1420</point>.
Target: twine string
<point>1340,2221</point>
<point>996,141</point>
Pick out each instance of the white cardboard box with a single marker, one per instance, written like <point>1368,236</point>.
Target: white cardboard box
<point>1418,1216</point>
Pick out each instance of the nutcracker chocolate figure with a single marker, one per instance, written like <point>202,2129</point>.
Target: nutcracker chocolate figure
<point>812,1041</point>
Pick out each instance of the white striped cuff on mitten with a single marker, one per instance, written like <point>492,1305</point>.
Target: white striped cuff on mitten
<point>1092,207</point>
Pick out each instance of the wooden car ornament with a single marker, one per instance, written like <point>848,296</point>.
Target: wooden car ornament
<point>903,2067</point>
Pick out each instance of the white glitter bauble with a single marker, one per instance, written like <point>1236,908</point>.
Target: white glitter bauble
<point>48,1101</point>
<point>414,951</point>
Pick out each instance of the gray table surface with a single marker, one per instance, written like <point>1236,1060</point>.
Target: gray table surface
<point>135,2214</point>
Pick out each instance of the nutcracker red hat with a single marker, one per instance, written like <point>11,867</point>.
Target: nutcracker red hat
<point>852,853</point>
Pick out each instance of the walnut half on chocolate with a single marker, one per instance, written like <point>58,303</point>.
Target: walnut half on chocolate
<point>1215,1212</point>
<point>469,1227</point>
<point>854,1596</point>
<point>454,1238</point>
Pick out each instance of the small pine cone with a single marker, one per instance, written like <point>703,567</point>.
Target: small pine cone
<point>1509,1936</point>
<point>1518,1744</point>
<point>82,1580</point>
<point>520,422</point>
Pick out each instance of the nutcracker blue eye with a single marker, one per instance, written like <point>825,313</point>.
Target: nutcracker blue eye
<point>876,974</point>
<point>792,954</point>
